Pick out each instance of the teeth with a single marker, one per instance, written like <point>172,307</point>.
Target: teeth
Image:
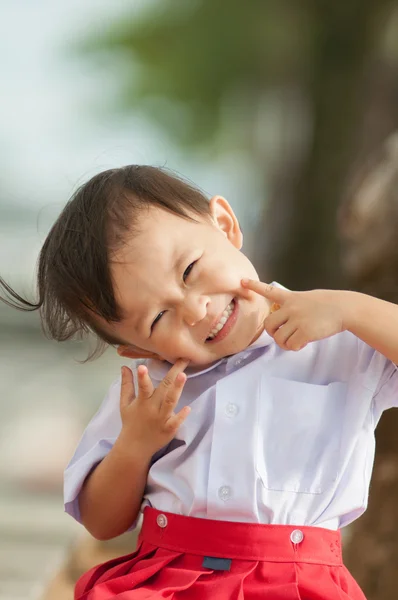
<point>224,318</point>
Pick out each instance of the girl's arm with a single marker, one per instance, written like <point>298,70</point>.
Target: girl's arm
<point>304,317</point>
<point>111,496</point>
<point>372,320</point>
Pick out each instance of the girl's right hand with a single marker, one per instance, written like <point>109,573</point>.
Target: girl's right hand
<point>148,418</point>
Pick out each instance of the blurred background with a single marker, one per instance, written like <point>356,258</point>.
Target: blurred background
<point>288,109</point>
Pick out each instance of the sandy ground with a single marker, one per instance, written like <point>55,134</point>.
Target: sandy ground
<point>87,553</point>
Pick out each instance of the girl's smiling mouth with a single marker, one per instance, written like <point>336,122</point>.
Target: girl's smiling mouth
<point>225,323</point>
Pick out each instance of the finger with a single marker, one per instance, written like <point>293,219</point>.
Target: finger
<point>170,400</point>
<point>296,342</point>
<point>271,292</point>
<point>145,385</point>
<point>179,366</point>
<point>284,333</point>
<point>275,320</point>
<point>127,392</point>
<point>175,421</point>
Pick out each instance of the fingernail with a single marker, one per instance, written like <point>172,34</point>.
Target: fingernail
<point>245,280</point>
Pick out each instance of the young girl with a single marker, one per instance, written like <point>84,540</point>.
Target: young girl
<point>245,456</point>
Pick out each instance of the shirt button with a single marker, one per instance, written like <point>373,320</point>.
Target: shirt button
<point>161,520</point>
<point>238,361</point>
<point>296,536</point>
<point>225,492</point>
<point>231,409</point>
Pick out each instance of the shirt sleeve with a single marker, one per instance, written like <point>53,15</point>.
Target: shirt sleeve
<point>97,440</point>
<point>381,378</point>
<point>386,395</point>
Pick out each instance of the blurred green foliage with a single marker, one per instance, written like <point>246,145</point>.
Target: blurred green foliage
<point>197,56</point>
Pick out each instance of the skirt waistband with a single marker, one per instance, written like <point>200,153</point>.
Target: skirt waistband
<point>245,541</point>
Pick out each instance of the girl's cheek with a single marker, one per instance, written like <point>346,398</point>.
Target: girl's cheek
<point>171,345</point>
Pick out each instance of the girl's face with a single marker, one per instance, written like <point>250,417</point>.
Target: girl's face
<point>178,284</point>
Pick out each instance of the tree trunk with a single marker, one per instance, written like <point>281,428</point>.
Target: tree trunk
<point>372,551</point>
<point>305,207</point>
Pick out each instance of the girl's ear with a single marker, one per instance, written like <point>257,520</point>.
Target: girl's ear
<point>225,219</point>
<point>134,352</point>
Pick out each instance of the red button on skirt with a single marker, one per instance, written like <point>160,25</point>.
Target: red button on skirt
<point>267,562</point>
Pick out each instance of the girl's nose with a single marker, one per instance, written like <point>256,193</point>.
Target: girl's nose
<point>195,310</point>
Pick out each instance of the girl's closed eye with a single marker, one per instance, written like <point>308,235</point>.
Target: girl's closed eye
<point>188,270</point>
<point>184,277</point>
<point>159,316</point>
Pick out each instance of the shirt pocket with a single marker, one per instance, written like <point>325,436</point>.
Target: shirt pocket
<point>299,434</point>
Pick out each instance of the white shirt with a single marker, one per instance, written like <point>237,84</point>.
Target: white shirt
<point>273,437</point>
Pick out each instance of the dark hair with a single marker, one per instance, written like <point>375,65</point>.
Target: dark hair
<point>73,278</point>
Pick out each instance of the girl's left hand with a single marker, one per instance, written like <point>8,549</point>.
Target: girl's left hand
<point>301,317</point>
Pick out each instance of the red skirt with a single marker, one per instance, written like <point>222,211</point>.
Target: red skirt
<point>184,558</point>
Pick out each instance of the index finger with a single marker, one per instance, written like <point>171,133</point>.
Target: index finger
<point>179,366</point>
<point>275,294</point>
